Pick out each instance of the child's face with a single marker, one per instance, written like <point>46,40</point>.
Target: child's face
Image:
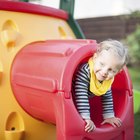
<point>106,65</point>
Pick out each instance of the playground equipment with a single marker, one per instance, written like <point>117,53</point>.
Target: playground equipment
<point>39,54</point>
<point>136,101</point>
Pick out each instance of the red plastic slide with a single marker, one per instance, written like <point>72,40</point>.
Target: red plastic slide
<point>41,79</point>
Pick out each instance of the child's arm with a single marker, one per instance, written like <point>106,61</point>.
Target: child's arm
<point>107,104</point>
<point>81,84</point>
<point>90,126</point>
<point>108,111</point>
<point>115,122</point>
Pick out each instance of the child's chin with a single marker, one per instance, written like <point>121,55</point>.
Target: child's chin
<point>100,79</point>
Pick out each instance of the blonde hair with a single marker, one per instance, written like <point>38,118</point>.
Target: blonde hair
<point>116,47</point>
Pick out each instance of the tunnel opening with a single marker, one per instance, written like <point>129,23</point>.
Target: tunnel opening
<point>120,93</point>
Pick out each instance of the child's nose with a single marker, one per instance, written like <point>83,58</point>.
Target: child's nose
<point>105,72</point>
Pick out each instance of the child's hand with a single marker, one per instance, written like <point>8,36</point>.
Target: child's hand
<point>115,122</point>
<point>90,126</point>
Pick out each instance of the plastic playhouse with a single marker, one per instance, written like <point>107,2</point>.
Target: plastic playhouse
<point>40,50</point>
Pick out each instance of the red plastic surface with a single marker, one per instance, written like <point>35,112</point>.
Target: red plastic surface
<point>41,78</point>
<point>32,8</point>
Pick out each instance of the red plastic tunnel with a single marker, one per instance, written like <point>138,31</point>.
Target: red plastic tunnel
<point>41,79</point>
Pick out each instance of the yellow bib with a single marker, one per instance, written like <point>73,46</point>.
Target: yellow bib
<point>97,87</point>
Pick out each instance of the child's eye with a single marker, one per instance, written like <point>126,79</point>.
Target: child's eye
<point>113,71</point>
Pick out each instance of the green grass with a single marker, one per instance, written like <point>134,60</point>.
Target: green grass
<point>137,126</point>
<point>136,101</point>
<point>135,77</point>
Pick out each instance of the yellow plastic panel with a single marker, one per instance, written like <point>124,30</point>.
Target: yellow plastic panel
<point>17,30</point>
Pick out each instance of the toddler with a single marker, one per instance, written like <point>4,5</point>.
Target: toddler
<point>95,78</point>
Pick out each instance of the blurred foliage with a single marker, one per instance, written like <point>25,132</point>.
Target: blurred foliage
<point>133,42</point>
<point>132,15</point>
<point>135,13</point>
<point>136,126</point>
<point>135,77</point>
